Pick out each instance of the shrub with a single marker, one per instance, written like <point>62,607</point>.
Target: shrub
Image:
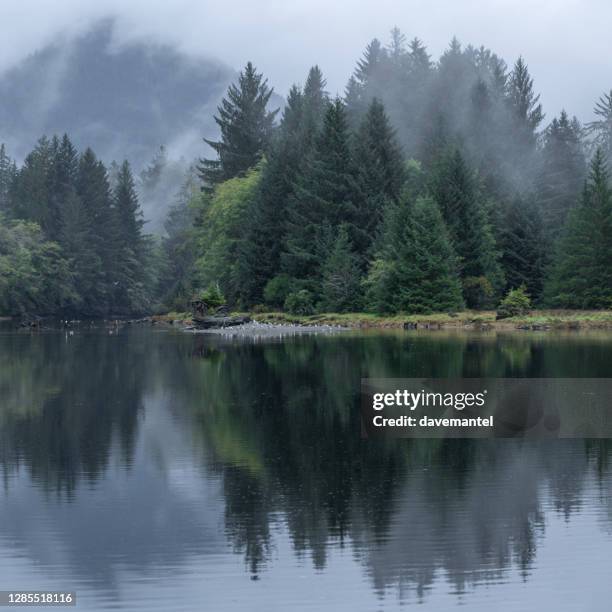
<point>277,289</point>
<point>212,296</point>
<point>300,303</point>
<point>516,303</point>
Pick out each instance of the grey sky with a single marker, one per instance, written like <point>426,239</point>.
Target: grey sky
<point>565,42</point>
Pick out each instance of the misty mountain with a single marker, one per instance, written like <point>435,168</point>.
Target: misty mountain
<point>124,101</point>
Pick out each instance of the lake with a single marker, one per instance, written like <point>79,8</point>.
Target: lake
<point>149,469</point>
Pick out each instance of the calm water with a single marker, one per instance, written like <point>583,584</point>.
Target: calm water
<point>153,470</point>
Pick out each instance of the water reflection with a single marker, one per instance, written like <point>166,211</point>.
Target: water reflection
<point>151,454</point>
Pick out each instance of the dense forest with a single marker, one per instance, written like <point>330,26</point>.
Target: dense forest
<point>429,186</point>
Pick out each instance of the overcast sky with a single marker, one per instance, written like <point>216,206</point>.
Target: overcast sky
<point>565,42</point>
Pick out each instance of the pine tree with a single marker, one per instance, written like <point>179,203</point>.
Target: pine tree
<point>84,262</point>
<point>93,190</point>
<point>62,186</point>
<point>562,172</point>
<point>380,174</point>
<point>523,247</point>
<point>456,191</point>
<point>29,197</point>
<point>128,274</point>
<point>340,290</point>
<point>601,129</point>
<point>260,252</point>
<point>581,276</point>
<point>246,128</point>
<point>416,270</point>
<point>323,198</point>
<point>8,172</point>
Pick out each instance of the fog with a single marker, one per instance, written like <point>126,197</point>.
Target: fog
<point>565,42</point>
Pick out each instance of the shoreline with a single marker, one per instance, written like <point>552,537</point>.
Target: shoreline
<point>535,320</point>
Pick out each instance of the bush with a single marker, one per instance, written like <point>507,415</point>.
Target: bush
<point>276,290</point>
<point>516,303</point>
<point>212,297</point>
<point>300,303</point>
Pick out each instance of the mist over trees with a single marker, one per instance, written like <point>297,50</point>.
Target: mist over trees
<point>428,186</point>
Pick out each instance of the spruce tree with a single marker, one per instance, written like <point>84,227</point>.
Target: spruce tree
<point>562,172</point>
<point>581,276</point>
<point>340,289</point>
<point>600,130</point>
<point>8,171</point>
<point>416,270</point>
<point>260,252</point>
<point>93,190</point>
<point>128,274</point>
<point>62,187</point>
<point>246,128</point>
<point>323,198</point>
<point>380,174</point>
<point>456,190</point>
<point>523,247</point>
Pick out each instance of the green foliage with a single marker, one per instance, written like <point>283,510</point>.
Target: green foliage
<point>277,289</point>
<point>221,230</point>
<point>212,297</point>
<point>300,303</point>
<point>523,246</point>
<point>246,128</point>
<point>34,276</point>
<point>340,291</point>
<point>516,303</point>
<point>456,190</point>
<point>416,271</point>
<point>581,276</point>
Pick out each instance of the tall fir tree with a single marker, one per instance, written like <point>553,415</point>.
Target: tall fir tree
<point>581,276</point>
<point>455,188</point>
<point>562,172</point>
<point>246,128</point>
<point>93,190</point>
<point>340,287</point>
<point>416,270</point>
<point>324,197</point>
<point>600,130</point>
<point>8,172</point>
<point>129,291</point>
<point>380,174</point>
<point>523,246</point>
<point>62,187</point>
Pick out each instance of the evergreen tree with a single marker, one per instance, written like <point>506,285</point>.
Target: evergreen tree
<point>523,247</point>
<point>600,130</point>
<point>380,174</point>
<point>582,272</point>
<point>324,197</point>
<point>93,191</point>
<point>85,263</point>
<point>129,248</point>
<point>29,196</point>
<point>246,128</point>
<point>62,184</point>
<point>8,171</point>
<point>340,290</point>
<point>259,256</point>
<point>456,191</point>
<point>562,173</point>
<point>416,270</point>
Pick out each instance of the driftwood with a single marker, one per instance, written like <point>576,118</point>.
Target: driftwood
<point>215,321</point>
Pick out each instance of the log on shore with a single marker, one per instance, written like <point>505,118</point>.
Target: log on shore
<point>213,322</point>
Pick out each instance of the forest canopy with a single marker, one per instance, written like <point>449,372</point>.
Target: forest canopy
<point>428,186</point>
